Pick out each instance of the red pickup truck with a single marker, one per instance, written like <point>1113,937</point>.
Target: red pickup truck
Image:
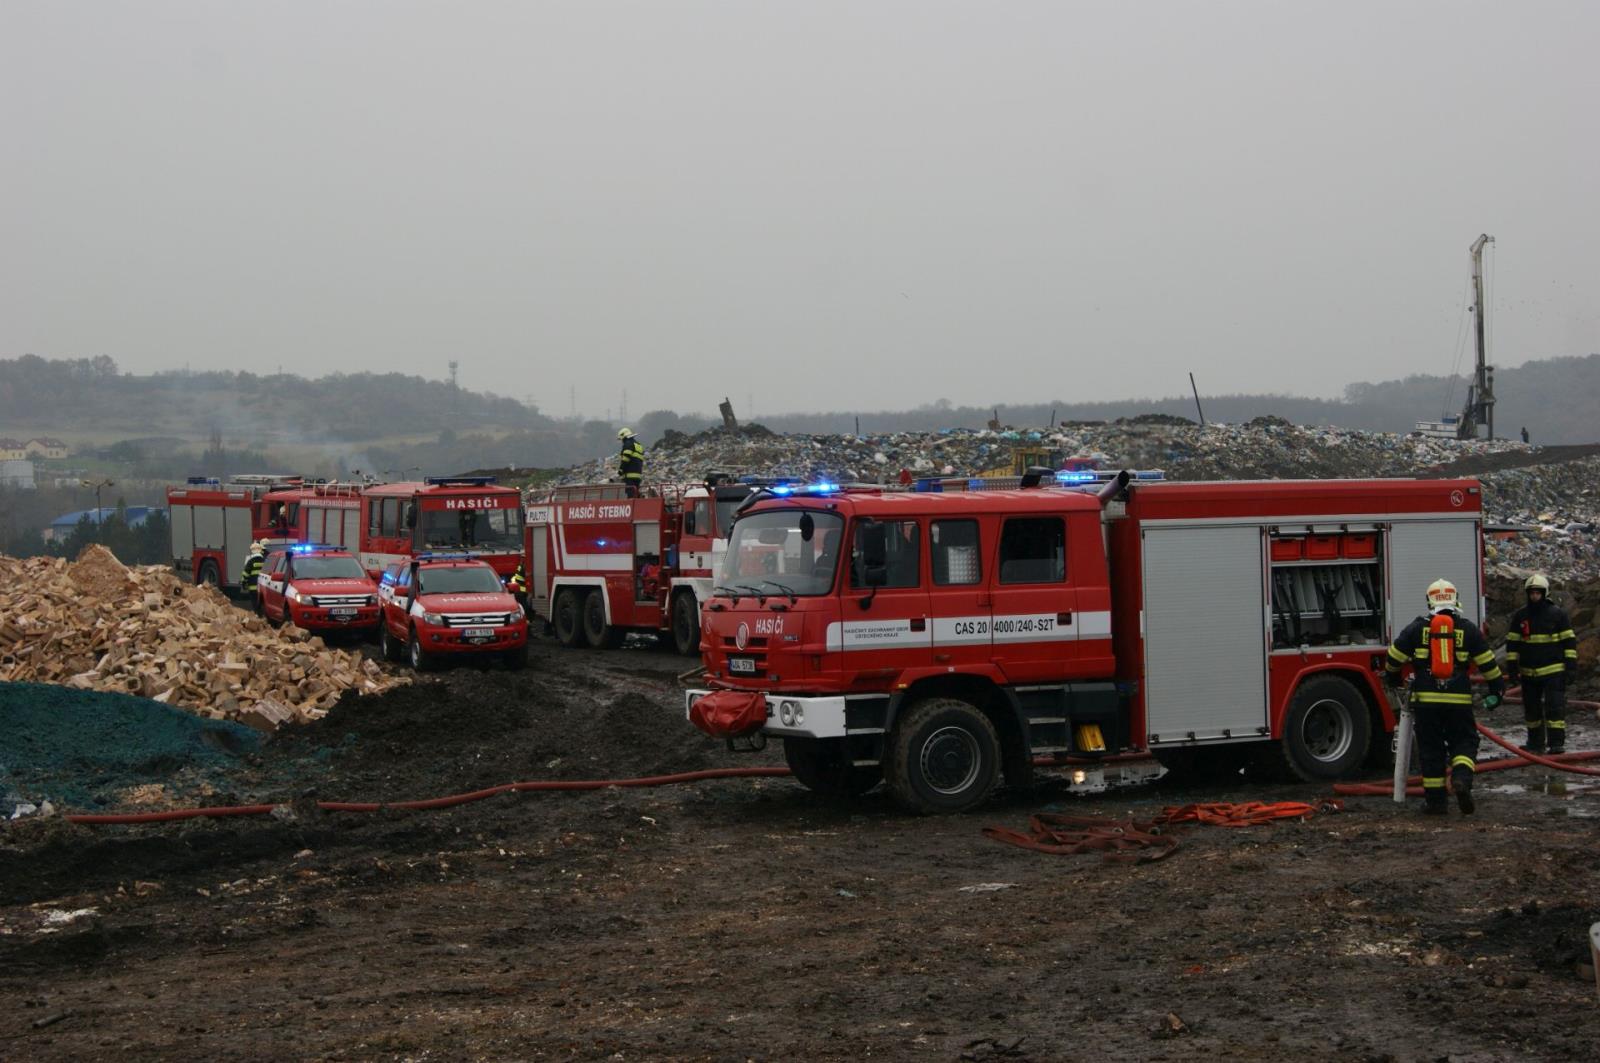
<point>437,606</point>
<point>319,588</point>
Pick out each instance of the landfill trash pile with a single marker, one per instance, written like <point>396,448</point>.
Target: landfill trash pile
<point>95,624</point>
<point>1560,502</point>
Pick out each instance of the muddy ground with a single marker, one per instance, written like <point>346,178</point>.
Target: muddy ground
<point>743,919</point>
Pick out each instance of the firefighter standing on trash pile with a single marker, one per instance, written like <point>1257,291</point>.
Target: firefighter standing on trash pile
<point>630,463</point>
<point>1542,649</point>
<point>1441,648</point>
<point>252,567</point>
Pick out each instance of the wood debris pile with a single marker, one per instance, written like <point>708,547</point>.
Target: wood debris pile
<point>96,624</point>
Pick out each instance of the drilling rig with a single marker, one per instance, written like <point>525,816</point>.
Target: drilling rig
<point>1479,408</point>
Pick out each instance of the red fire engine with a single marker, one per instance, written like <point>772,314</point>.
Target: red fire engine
<point>214,523</point>
<point>401,520</point>
<point>600,564</point>
<point>940,640</point>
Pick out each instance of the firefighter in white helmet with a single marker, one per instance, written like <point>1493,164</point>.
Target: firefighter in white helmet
<point>630,463</point>
<point>1542,649</point>
<point>252,567</point>
<point>1441,648</point>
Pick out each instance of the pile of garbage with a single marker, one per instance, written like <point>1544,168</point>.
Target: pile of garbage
<point>95,624</point>
<point>1557,504</point>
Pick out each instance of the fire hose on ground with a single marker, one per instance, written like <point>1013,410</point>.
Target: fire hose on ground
<point>541,786</point>
<point>1410,786</point>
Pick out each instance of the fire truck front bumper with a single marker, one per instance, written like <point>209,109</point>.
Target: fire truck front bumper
<point>794,717</point>
<point>318,619</point>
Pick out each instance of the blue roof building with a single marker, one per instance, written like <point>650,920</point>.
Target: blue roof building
<point>62,526</point>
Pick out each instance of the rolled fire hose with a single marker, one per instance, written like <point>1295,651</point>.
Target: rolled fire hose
<point>1402,746</point>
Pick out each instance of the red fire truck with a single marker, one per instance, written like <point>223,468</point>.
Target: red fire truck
<point>938,641</point>
<point>214,523</point>
<point>601,564</point>
<point>401,520</point>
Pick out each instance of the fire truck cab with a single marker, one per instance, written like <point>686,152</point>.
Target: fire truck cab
<point>441,606</point>
<point>319,587</point>
<point>461,513</point>
<point>940,641</point>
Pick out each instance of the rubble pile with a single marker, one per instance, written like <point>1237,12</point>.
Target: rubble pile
<point>1558,503</point>
<point>97,625</point>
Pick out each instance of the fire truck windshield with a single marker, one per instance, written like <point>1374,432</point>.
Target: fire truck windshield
<point>482,529</point>
<point>466,579</point>
<point>313,567</point>
<point>798,548</point>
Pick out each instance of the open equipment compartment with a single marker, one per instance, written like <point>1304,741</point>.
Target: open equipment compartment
<point>1327,586</point>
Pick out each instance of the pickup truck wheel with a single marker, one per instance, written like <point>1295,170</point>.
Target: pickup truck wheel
<point>686,625</point>
<point>945,757</point>
<point>1327,729</point>
<point>823,766</point>
<point>421,660</point>
<point>387,646</point>
<point>599,634</point>
<point>208,575</point>
<point>567,617</point>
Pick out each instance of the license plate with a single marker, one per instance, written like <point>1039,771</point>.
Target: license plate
<point>479,633</point>
<point>742,664</point>
<point>344,612</point>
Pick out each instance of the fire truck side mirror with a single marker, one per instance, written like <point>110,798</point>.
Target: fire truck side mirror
<point>411,514</point>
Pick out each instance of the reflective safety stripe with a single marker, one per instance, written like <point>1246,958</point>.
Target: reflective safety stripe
<point>1567,634</point>
<point>1396,655</point>
<point>1484,658</point>
<point>1513,636</point>
<point>1511,655</point>
<point>1431,783</point>
<point>1549,669</point>
<point>1556,725</point>
<point>1534,723</point>
<point>1439,697</point>
<point>1571,655</point>
<point>1463,762</point>
<point>1421,655</point>
<point>1491,672</point>
<point>1541,640</point>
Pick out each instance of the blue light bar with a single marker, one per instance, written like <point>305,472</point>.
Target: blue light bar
<point>309,548</point>
<point>431,556</point>
<point>783,489</point>
<point>1080,476</point>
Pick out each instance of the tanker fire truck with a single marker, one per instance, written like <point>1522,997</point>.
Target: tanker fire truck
<point>462,513</point>
<point>940,641</point>
<point>214,523</point>
<point>601,564</point>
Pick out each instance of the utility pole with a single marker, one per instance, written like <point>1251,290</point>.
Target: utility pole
<point>1480,395</point>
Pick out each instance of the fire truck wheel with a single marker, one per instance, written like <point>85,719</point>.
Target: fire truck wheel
<point>944,756</point>
<point>420,659</point>
<point>568,618</point>
<point>1326,730</point>
<point>823,767</point>
<point>599,634</point>
<point>686,624</point>
<point>208,575</point>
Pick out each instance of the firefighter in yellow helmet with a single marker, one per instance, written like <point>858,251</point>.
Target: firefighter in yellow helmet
<point>1542,649</point>
<point>1441,648</point>
<point>630,463</point>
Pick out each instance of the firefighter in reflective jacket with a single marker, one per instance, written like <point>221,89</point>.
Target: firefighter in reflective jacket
<point>1441,648</point>
<point>252,567</point>
<point>517,584</point>
<point>630,463</point>
<point>1542,648</point>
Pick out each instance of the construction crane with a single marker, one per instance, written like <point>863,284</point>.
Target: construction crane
<point>1479,408</point>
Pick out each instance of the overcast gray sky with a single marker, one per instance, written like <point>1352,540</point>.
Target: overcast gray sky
<point>823,205</point>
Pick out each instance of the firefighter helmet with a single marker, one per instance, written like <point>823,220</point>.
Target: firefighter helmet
<point>624,433</point>
<point>257,546</point>
<point>1442,596</point>
<point>1537,582</point>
